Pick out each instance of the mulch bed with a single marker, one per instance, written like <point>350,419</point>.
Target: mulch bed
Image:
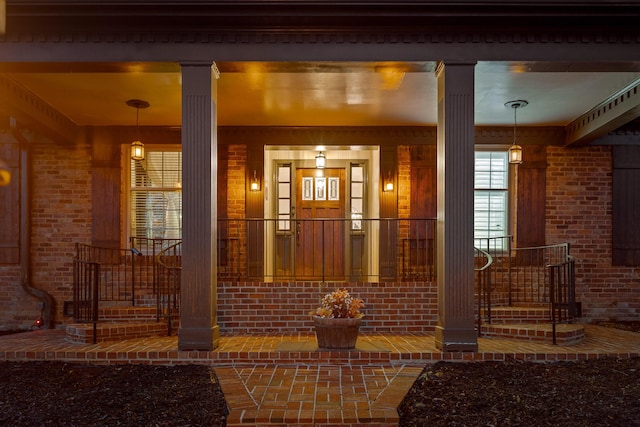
<point>604,392</point>
<point>601,392</point>
<point>63,394</point>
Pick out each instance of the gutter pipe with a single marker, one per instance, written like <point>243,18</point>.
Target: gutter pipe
<point>46,300</point>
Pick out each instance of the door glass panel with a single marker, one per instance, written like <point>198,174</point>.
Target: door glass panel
<point>284,197</point>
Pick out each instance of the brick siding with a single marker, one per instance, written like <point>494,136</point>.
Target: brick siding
<point>399,307</point>
<point>61,216</point>
<point>579,203</point>
<point>579,192</point>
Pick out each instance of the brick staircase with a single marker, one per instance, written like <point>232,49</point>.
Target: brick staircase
<point>529,323</point>
<point>118,323</point>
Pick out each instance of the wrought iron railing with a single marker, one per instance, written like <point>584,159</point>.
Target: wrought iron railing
<point>168,284</point>
<point>534,276</point>
<point>340,250</point>
<point>562,292</point>
<point>327,249</point>
<point>483,261</point>
<point>86,288</point>
<point>116,273</point>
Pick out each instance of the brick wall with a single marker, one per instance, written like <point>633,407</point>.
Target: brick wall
<point>404,181</point>
<point>399,307</point>
<point>579,203</point>
<point>61,216</point>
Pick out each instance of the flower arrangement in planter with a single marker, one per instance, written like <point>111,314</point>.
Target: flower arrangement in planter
<point>339,304</point>
<point>337,320</point>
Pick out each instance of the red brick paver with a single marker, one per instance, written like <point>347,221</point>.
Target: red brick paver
<point>284,380</point>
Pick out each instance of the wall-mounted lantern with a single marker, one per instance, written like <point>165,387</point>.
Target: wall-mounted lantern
<point>254,185</point>
<point>5,174</point>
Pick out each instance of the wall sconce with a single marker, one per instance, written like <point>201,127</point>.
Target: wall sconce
<point>321,160</point>
<point>255,182</point>
<point>5,174</point>
<point>137,147</point>
<point>388,182</point>
<point>515,151</point>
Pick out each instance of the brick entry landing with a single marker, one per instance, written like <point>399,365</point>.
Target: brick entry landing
<point>283,379</point>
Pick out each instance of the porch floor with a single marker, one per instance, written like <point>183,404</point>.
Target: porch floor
<point>284,379</point>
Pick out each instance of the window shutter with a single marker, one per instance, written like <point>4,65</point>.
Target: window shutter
<point>626,206</point>
<point>531,203</point>
<point>10,207</point>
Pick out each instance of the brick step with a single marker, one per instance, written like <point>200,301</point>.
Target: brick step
<point>82,333</point>
<point>566,334</point>
<point>519,314</point>
<point>127,314</point>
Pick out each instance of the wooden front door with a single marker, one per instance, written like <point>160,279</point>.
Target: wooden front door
<point>320,224</point>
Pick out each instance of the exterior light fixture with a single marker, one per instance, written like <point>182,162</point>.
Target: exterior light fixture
<point>255,182</point>
<point>388,183</point>
<point>321,160</point>
<point>5,174</point>
<point>137,147</point>
<point>515,151</point>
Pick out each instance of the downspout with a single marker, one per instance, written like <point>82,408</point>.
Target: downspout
<point>46,300</point>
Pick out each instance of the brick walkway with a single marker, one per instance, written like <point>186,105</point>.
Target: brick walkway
<point>283,379</point>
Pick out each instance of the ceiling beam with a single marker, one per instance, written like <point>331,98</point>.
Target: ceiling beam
<point>612,113</point>
<point>31,112</point>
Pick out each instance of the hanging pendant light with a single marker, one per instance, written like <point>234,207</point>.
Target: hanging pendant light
<point>515,151</point>
<point>321,160</point>
<point>137,147</point>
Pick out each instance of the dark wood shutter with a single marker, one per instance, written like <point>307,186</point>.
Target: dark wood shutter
<point>424,196</point>
<point>531,202</point>
<point>419,250</point>
<point>105,194</point>
<point>626,206</point>
<point>10,206</point>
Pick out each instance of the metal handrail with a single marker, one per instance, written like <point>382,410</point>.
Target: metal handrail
<point>483,281</point>
<point>168,283</point>
<point>562,292</point>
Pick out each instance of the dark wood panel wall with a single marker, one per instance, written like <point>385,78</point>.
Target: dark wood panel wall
<point>255,209</point>
<point>388,209</point>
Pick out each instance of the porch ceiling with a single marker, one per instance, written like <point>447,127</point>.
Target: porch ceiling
<point>323,93</point>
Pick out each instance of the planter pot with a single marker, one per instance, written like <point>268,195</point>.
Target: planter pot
<point>336,333</point>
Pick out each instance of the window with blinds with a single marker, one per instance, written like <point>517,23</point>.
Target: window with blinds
<point>156,195</point>
<point>491,179</point>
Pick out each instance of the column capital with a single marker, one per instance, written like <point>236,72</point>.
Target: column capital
<point>442,64</point>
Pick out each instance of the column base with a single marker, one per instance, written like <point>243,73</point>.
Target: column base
<point>201,339</point>
<point>450,339</point>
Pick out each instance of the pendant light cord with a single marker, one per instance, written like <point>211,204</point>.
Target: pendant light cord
<point>515,123</point>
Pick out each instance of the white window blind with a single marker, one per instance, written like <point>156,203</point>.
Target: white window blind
<point>156,195</point>
<point>491,190</point>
